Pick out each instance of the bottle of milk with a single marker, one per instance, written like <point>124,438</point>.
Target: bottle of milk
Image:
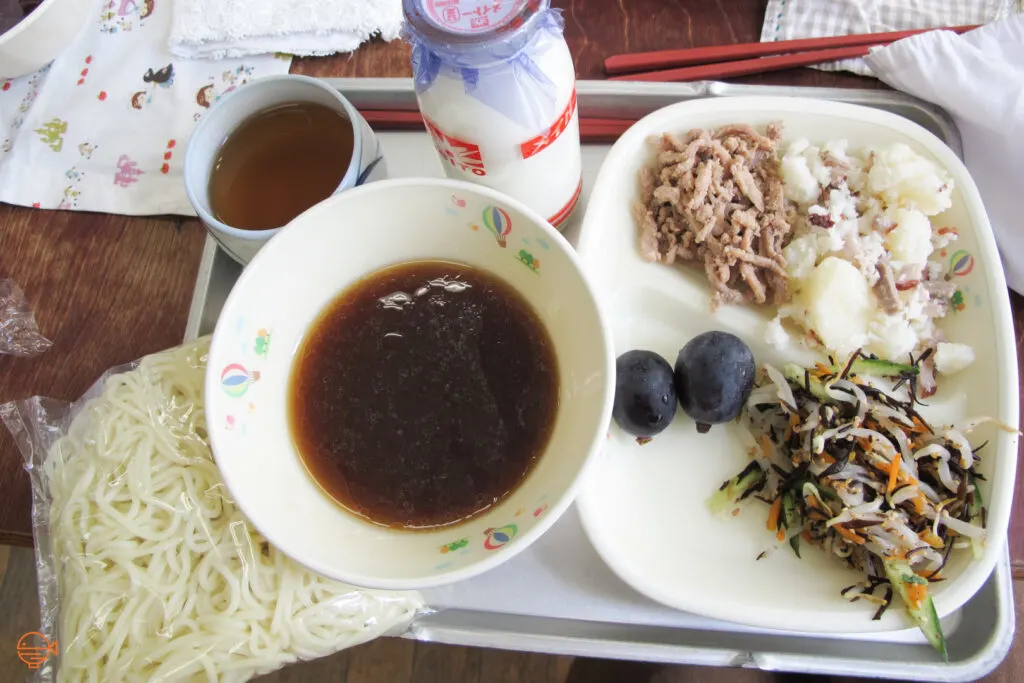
<point>497,89</point>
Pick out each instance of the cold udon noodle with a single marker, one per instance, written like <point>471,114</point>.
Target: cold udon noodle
<point>161,578</point>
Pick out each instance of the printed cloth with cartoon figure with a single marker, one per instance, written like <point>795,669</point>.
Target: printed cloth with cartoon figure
<point>103,127</point>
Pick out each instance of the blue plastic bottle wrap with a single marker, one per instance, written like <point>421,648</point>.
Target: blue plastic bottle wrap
<point>498,69</point>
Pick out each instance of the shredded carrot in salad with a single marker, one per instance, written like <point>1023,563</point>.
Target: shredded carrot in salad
<point>894,471</point>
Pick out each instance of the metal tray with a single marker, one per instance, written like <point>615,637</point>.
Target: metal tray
<point>557,596</point>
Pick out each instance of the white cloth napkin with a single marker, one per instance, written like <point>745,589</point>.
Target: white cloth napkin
<point>978,78</point>
<point>791,19</point>
<point>236,28</point>
<point>104,127</point>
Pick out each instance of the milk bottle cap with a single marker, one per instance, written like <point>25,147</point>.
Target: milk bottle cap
<point>461,26</point>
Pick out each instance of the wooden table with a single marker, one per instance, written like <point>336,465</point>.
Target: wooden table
<point>108,289</point>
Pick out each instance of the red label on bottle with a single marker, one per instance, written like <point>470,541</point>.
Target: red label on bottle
<point>544,140</point>
<point>463,155</point>
<point>566,210</point>
<point>472,16</point>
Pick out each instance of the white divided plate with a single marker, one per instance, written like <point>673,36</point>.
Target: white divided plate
<point>643,507</point>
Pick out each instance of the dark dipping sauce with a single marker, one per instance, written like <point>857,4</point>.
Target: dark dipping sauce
<point>424,394</point>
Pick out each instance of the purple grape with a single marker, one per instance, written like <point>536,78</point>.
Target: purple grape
<point>645,394</point>
<point>714,376</point>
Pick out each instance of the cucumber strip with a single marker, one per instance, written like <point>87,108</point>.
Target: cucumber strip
<point>977,544</point>
<point>731,491</point>
<point>791,513</point>
<point>881,368</point>
<point>796,375</point>
<point>902,577</point>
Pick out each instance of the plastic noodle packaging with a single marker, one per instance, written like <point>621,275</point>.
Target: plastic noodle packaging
<point>147,569</point>
<point>19,335</point>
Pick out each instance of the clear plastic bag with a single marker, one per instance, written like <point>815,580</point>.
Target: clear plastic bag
<point>19,334</point>
<point>147,569</point>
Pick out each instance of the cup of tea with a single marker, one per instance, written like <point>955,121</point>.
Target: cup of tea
<point>270,150</point>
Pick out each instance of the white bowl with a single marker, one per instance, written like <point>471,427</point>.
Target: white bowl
<point>644,507</point>
<point>39,38</point>
<point>303,268</point>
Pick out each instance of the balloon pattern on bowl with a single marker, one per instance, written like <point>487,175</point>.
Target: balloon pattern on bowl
<point>238,378</point>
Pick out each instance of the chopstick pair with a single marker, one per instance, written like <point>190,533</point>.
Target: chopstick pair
<point>723,61</point>
<point>591,129</point>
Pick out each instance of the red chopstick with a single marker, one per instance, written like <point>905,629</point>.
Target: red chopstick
<point>390,119</point>
<point>743,67</point>
<point>665,59</point>
<point>591,129</point>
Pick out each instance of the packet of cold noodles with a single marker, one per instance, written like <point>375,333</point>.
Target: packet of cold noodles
<point>147,569</point>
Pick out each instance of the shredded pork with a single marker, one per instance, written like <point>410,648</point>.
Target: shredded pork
<point>885,288</point>
<point>714,200</point>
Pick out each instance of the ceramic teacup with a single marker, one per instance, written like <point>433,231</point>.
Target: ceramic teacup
<point>367,163</point>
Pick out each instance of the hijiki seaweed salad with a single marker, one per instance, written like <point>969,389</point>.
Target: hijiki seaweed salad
<point>853,468</point>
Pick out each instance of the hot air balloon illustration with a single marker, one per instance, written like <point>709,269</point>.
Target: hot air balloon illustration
<point>498,221</point>
<point>496,538</point>
<point>236,380</point>
<point>961,263</point>
<point>34,648</point>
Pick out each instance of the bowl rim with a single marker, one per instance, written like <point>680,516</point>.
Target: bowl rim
<point>556,509</point>
<point>26,21</point>
<point>745,107</point>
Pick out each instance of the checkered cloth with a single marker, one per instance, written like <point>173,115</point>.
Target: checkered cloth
<point>790,19</point>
